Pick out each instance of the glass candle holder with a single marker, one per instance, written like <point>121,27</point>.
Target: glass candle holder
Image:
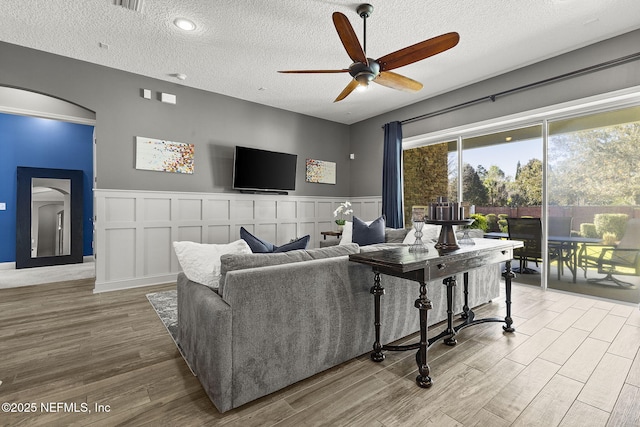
<point>417,216</point>
<point>466,240</point>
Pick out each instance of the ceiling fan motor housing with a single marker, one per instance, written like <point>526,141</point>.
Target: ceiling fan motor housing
<point>365,73</point>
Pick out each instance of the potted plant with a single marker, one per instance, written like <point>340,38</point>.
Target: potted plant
<point>342,210</point>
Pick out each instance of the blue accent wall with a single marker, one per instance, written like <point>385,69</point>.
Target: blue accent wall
<point>42,143</point>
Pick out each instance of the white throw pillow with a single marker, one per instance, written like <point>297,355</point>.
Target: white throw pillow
<point>430,232</point>
<point>347,233</point>
<point>200,262</point>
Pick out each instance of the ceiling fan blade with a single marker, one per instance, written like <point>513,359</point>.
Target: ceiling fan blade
<point>347,90</point>
<point>349,38</point>
<point>346,70</point>
<point>418,51</point>
<point>396,81</point>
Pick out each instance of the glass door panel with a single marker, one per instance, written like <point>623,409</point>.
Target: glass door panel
<point>594,183</point>
<point>502,178</point>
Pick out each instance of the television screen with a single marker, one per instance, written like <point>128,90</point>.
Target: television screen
<point>262,170</point>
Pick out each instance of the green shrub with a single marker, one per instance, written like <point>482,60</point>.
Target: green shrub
<point>504,226</point>
<point>588,229</point>
<point>492,222</point>
<point>503,216</point>
<point>610,223</point>
<point>480,222</point>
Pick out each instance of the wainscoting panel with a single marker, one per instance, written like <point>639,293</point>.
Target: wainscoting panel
<point>134,230</point>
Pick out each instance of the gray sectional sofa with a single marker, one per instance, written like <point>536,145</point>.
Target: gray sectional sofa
<point>280,318</point>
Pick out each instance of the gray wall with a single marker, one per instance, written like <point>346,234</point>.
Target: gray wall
<point>367,136</point>
<point>214,123</point>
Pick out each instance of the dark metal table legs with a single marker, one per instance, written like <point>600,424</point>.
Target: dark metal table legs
<point>508,275</point>
<point>424,305</point>
<point>377,291</point>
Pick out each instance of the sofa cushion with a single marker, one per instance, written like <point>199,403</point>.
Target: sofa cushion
<point>200,262</point>
<point>233,262</point>
<point>395,235</point>
<point>259,246</point>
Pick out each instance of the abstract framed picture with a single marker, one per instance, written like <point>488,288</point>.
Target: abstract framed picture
<point>320,171</point>
<point>164,156</point>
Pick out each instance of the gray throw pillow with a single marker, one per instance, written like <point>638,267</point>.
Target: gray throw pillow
<point>364,234</point>
<point>395,235</point>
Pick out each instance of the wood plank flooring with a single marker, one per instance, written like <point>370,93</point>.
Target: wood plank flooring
<point>572,361</point>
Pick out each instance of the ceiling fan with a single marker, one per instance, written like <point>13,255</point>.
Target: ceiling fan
<point>365,70</point>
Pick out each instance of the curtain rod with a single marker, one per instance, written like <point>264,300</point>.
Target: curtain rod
<point>492,98</point>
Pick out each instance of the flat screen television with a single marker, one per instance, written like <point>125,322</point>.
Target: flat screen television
<point>257,170</point>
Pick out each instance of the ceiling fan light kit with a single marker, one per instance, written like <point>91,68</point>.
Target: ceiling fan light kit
<point>365,70</point>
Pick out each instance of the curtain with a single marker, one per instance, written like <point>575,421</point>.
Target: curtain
<point>392,175</point>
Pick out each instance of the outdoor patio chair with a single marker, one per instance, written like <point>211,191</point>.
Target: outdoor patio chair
<point>528,231</point>
<point>622,259</point>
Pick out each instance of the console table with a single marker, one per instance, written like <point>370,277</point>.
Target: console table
<point>422,267</point>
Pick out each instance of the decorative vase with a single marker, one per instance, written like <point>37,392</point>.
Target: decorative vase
<point>340,228</point>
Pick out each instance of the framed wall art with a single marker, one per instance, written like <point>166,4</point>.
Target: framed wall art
<point>321,172</point>
<point>164,156</point>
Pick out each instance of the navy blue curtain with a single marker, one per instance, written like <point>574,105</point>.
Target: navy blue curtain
<point>392,175</point>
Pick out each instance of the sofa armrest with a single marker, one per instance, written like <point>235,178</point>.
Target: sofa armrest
<point>204,334</point>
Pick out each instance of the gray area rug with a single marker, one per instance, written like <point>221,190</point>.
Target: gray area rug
<point>166,306</point>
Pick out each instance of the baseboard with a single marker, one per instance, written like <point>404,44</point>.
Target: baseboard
<point>12,265</point>
<point>119,285</point>
<point>7,265</point>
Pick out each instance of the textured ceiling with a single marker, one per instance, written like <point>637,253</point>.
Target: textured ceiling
<point>240,44</point>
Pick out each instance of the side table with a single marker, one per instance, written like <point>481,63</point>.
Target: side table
<point>331,233</point>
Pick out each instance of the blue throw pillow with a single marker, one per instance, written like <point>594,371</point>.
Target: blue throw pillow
<point>364,234</point>
<point>300,243</point>
<point>259,246</point>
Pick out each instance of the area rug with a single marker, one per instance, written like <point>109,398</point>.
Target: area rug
<point>166,306</point>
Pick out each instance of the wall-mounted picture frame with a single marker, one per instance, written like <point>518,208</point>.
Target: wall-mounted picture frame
<point>320,171</point>
<point>164,156</point>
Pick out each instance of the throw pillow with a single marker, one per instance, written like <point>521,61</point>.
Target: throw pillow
<point>395,235</point>
<point>300,243</point>
<point>347,232</point>
<point>368,233</point>
<point>200,262</point>
<point>259,246</point>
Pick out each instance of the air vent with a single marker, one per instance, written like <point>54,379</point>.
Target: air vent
<point>135,5</point>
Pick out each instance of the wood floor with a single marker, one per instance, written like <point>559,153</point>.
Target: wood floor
<point>572,361</point>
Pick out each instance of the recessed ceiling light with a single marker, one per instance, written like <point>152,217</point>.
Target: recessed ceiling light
<point>184,24</point>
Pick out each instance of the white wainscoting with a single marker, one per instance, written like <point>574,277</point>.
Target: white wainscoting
<point>134,230</point>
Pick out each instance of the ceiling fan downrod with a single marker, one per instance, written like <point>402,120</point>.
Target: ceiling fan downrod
<point>365,10</point>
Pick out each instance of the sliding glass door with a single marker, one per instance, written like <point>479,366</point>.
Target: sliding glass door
<point>594,185</point>
<point>577,176</point>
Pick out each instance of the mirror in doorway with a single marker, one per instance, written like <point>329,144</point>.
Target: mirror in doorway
<point>49,217</point>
